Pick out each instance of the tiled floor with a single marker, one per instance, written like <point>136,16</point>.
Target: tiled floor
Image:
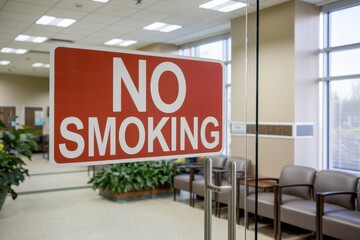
<point>57,203</point>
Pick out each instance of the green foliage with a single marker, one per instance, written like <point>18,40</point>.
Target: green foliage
<point>125,177</point>
<point>14,143</point>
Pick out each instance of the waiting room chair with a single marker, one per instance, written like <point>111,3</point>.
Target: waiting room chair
<point>302,212</point>
<point>267,201</point>
<point>342,224</point>
<point>183,180</point>
<point>198,185</point>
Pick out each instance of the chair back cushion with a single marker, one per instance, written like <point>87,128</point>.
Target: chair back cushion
<point>241,163</point>
<point>332,180</point>
<point>293,174</point>
<point>218,161</point>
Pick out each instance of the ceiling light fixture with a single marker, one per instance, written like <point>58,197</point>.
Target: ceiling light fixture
<point>4,62</point>
<point>13,50</point>
<point>101,1</point>
<point>120,42</point>
<point>41,65</point>
<point>54,21</point>
<point>27,38</point>
<point>162,27</point>
<point>223,5</point>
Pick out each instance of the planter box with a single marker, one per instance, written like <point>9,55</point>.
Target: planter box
<point>134,194</point>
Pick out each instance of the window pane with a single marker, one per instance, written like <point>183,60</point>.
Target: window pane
<point>212,50</point>
<point>229,49</point>
<point>228,75</point>
<point>345,26</point>
<point>345,62</point>
<point>344,123</point>
<point>187,51</point>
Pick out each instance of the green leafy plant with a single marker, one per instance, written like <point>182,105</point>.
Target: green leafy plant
<point>138,176</point>
<point>15,142</point>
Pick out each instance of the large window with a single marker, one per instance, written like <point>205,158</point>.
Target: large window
<point>342,88</point>
<point>220,49</point>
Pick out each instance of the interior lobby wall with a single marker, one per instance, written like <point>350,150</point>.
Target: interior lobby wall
<point>161,48</point>
<point>24,91</point>
<point>280,100</point>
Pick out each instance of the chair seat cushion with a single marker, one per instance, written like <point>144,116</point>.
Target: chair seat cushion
<point>302,213</point>
<point>183,181</point>
<point>342,224</point>
<point>198,187</point>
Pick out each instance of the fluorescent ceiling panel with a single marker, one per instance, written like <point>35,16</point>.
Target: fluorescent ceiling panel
<point>4,62</point>
<point>162,27</point>
<point>102,1</point>
<point>27,38</point>
<point>223,5</point>
<point>13,50</point>
<point>213,4</point>
<point>41,65</point>
<point>120,42</point>
<point>54,21</point>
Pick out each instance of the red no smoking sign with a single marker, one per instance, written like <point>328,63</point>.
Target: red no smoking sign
<point>118,106</point>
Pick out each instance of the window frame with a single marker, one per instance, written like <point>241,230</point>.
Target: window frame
<point>326,78</point>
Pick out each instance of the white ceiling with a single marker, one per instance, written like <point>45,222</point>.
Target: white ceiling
<point>98,23</point>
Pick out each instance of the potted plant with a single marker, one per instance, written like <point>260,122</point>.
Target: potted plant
<point>15,142</point>
<point>134,179</point>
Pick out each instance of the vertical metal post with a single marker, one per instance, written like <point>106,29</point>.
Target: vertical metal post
<point>232,201</point>
<point>230,189</point>
<point>208,199</point>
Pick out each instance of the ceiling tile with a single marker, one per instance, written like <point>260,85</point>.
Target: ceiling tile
<point>101,18</point>
<point>48,3</point>
<point>79,5</point>
<point>27,8</point>
<point>19,17</point>
<point>14,24</point>
<point>117,11</point>
<point>150,16</point>
<point>169,7</point>
<point>66,13</point>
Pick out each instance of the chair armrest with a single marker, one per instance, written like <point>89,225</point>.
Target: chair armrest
<point>320,202</point>
<point>320,198</point>
<point>263,179</point>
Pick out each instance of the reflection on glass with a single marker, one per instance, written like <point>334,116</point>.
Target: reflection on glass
<point>344,125</point>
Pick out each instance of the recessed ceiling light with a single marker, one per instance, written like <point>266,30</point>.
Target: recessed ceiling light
<point>41,65</point>
<point>102,1</point>
<point>232,7</point>
<point>4,62</point>
<point>54,21</point>
<point>27,38</point>
<point>162,27</point>
<point>13,50</point>
<point>223,5</point>
<point>213,4</point>
<point>120,42</point>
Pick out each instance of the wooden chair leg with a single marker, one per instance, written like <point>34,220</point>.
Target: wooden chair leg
<point>278,235</point>
<point>247,220</point>
<point>175,194</point>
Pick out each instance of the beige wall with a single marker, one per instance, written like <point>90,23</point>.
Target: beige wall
<point>288,74</point>
<point>24,91</point>
<point>161,48</point>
